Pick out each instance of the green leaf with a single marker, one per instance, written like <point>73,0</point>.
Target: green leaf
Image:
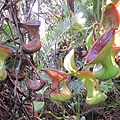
<point>38,106</point>
<point>76,22</point>
<point>106,86</point>
<point>40,67</point>
<point>12,45</point>
<point>77,86</point>
<point>97,8</point>
<point>9,64</point>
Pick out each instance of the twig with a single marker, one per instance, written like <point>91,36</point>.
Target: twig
<point>34,68</point>
<point>10,31</point>
<point>10,40</point>
<point>18,88</point>
<point>6,5</point>
<point>26,113</point>
<point>30,10</point>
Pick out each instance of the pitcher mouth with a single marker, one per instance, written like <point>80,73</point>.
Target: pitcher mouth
<point>98,98</point>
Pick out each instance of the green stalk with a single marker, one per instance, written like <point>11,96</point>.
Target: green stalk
<point>92,111</point>
<point>78,106</point>
<point>56,117</point>
<point>102,12</point>
<point>98,9</point>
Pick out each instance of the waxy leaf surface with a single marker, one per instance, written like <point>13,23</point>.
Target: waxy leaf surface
<point>101,47</point>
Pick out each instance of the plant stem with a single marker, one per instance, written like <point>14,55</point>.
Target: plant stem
<point>98,9</point>
<point>102,12</point>
<point>78,112</point>
<point>92,111</point>
<point>62,108</point>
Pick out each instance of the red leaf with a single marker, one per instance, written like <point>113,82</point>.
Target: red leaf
<point>110,17</point>
<point>56,76</point>
<point>99,45</point>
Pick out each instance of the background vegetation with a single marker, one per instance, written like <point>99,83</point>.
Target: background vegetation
<point>60,31</point>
